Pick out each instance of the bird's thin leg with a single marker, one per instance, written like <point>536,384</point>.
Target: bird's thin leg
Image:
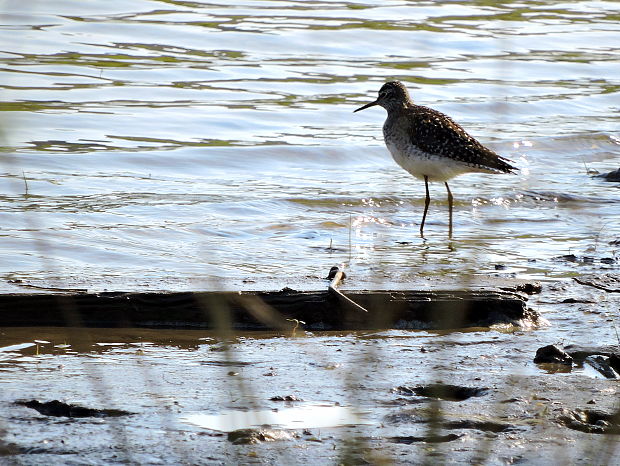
<point>427,201</point>
<point>450,202</point>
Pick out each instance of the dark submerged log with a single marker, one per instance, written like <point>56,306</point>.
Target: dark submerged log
<point>318,310</point>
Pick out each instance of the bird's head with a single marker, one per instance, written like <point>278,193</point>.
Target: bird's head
<point>392,95</point>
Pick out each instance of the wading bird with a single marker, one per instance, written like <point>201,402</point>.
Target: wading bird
<point>430,145</point>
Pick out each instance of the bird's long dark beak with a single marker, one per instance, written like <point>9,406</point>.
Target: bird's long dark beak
<point>366,106</point>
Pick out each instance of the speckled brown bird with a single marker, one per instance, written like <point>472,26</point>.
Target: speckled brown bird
<point>430,145</point>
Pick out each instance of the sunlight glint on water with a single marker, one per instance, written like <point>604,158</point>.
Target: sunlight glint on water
<point>307,416</point>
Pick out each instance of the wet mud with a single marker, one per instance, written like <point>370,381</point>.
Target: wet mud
<point>301,396</point>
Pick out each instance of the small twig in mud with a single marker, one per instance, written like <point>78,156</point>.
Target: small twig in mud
<point>589,171</point>
<point>25,181</point>
<point>336,275</point>
<point>597,237</point>
<point>297,322</point>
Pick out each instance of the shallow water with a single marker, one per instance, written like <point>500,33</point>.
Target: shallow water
<point>176,145</point>
<point>302,416</point>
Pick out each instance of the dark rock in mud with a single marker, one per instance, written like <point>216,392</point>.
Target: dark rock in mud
<point>611,176</point>
<point>551,354</point>
<point>442,391</point>
<point>567,258</point>
<point>409,439</point>
<point>60,409</point>
<point>578,260</point>
<point>592,421</point>
<point>285,398</point>
<point>529,288</point>
<point>576,301</point>
<point>254,436</point>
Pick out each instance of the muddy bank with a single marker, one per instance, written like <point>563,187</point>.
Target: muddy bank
<point>363,398</point>
<point>400,396</point>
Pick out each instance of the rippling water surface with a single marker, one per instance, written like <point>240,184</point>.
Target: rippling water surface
<point>190,145</point>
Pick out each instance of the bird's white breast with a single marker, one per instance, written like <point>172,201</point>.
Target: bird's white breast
<point>419,163</point>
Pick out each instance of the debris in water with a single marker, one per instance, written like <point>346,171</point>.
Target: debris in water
<point>602,364</point>
<point>60,409</point>
<point>611,176</point>
<point>285,398</point>
<point>409,439</point>
<point>254,436</point>
<point>592,421</point>
<point>443,391</point>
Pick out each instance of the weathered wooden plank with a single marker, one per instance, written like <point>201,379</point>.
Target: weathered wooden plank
<point>320,310</point>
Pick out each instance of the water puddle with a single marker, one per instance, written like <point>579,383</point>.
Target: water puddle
<point>308,416</point>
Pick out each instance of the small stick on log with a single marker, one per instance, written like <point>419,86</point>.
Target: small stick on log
<point>336,275</point>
